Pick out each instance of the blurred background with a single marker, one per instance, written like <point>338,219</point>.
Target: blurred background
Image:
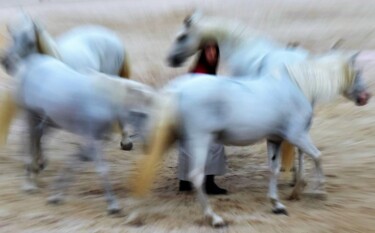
<point>343,132</point>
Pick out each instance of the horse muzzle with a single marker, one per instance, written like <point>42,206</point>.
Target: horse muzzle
<point>174,61</point>
<point>363,98</point>
<point>8,62</point>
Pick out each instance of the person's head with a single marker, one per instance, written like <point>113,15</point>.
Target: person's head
<point>209,56</point>
<point>211,53</point>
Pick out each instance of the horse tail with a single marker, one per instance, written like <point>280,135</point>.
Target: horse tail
<point>7,114</point>
<point>125,69</point>
<point>162,137</point>
<point>46,43</point>
<point>287,157</point>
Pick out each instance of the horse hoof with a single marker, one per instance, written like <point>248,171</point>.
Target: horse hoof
<point>29,188</point>
<point>43,165</point>
<point>84,157</point>
<point>294,197</point>
<point>219,224</point>
<point>134,219</point>
<point>126,146</point>
<point>280,211</point>
<point>55,199</point>
<point>113,209</point>
<point>216,221</point>
<point>317,194</point>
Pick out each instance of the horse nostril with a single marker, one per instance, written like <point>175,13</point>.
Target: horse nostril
<point>174,61</point>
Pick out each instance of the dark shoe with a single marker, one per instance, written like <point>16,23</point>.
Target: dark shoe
<point>185,186</point>
<point>212,188</point>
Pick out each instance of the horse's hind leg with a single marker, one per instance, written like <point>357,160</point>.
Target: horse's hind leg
<point>273,150</point>
<point>199,148</point>
<point>298,178</point>
<point>126,143</point>
<point>305,144</point>
<point>102,170</point>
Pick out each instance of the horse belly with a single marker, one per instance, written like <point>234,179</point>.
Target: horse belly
<point>253,119</point>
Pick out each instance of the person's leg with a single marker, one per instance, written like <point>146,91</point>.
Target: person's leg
<point>216,165</point>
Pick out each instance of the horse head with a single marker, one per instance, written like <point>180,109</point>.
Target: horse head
<point>187,42</point>
<point>357,91</point>
<point>24,41</point>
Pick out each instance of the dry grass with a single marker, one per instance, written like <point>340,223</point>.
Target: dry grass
<point>342,131</point>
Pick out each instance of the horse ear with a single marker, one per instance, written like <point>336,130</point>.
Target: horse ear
<point>37,26</point>
<point>338,43</point>
<point>194,17</point>
<point>353,58</point>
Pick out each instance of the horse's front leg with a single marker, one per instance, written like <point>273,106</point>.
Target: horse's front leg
<point>36,162</point>
<point>64,179</point>
<point>126,143</point>
<point>102,170</point>
<point>273,149</point>
<point>199,148</point>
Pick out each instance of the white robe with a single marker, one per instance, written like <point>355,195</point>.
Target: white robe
<point>215,165</point>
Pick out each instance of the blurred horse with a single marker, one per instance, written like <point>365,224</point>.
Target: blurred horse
<point>251,109</point>
<point>87,104</point>
<point>82,48</point>
<point>245,52</point>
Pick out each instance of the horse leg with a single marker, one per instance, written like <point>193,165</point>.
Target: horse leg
<point>298,178</point>
<point>63,181</point>
<point>273,150</point>
<point>37,161</point>
<point>199,148</point>
<point>305,144</point>
<point>287,160</point>
<point>102,170</point>
<point>126,143</point>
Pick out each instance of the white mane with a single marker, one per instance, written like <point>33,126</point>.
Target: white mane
<point>322,79</point>
<point>241,48</point>
<point>46,43</point>
<point>224,29</point>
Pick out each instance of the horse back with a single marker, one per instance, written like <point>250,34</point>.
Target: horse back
<point>92,47</point>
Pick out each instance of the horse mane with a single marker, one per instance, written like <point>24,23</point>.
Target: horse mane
<point>215,28</point>
<point>46,45</point>
<point>322,79</point>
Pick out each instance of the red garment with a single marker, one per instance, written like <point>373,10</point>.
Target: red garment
<point>200,68</point>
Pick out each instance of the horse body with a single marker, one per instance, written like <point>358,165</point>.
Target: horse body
<point>82,48</point>
<point>244,52</point>
<point>242,111</point>
<point>246,113</point>
<point>92,47</point>
<point>64,86</point>
<point>86,104</point>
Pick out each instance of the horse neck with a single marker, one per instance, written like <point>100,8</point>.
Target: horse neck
<point>46,45</point>
<point>229,35</point>
<point>320,84</point>
<point>238,45</point>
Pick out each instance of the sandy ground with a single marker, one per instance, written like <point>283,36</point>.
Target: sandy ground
<point>344,133</point>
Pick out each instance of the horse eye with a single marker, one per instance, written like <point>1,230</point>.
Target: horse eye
<point>182,38</point>
<point>30,44</point>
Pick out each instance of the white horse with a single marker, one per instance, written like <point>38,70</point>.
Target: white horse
<point>86,104</point>
<point>244,52</point>
<point>251,109</point>
<point>85,47</point>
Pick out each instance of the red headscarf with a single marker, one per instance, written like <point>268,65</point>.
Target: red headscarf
<point>202,66</point>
